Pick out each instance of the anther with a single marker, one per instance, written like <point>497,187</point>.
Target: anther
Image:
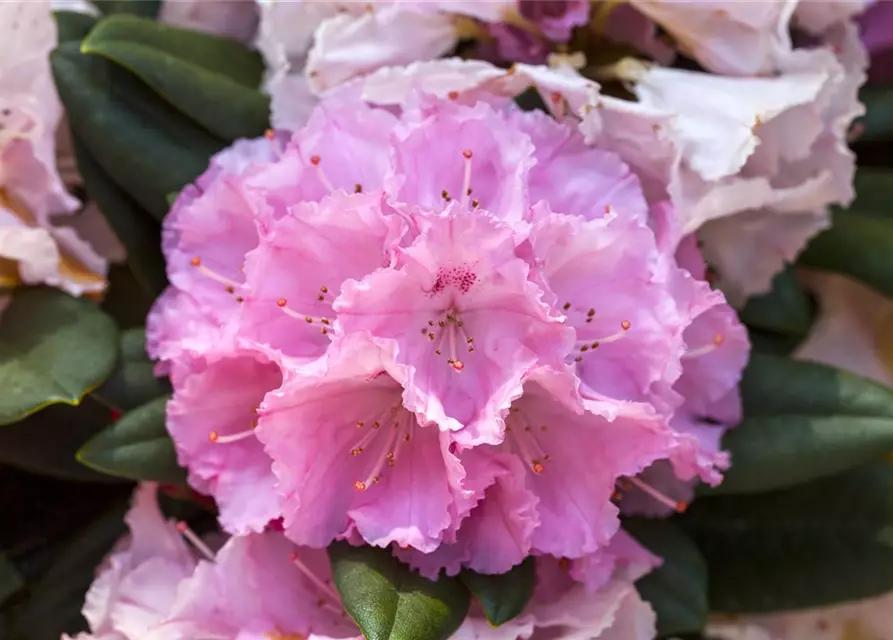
<point>458,365</point>
<point>358,188</point>
<point>625,325</point>
<point>466,181</point>
<point>453,95</point>
<point>676,506</point>
<point>269,134</point>
<point>320,174</point>
<point>475,203</point>
<point>445,195</point>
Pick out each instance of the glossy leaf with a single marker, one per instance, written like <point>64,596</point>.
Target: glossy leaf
<point>161,56</point>
<point>803,421</point>
<point>46,442</point>
<point>856,245</point>
<point>137,447</point>
<point>390,601</point>
<point>133,382</point>
<point>146,146</point>
<point>502,596</point>
<point>677,590</point>
<point>73,25</point>
<point>136,229</point>
<point>816,544</point>
<point>53,349</point>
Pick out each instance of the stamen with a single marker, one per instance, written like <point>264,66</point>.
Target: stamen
<point>216,438</point>
<point>392,443</point>
<point>466,182</point>
<point>453,329</point>
<point>324,588</point>
<point>184,530</point>
<point>678,507</point>
<point>559,102</point>
<point>527,444</point>
<point>315,161</point>
<point>230,285</point>
<point>445,195</point>
<point>592,345</point>
<point>708,348</point>
<point>282,303</point>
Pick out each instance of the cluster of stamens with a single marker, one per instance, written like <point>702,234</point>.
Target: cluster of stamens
<point>449,330</point>
<point>230,286</point>
<point>397,426</point>
<point>628,483</point>
<point>216,438</point>
<point>523,437</point>
<point>325,323</point>
<point>589,345</point>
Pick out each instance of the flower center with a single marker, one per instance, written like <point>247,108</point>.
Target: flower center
<point>323,297</point>
<point>523,438</point>
<point>448,334</point>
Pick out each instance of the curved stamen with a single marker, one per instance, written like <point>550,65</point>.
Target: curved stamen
<point>315,161</point>
<point>195,541</point>
<point>677,506</point>
<point>708,348</point>
<point>466,182</point>
<point>231,285</point>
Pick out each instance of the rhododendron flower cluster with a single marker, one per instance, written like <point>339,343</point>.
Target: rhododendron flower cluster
<point>401,326</point>
<point>163,582</point>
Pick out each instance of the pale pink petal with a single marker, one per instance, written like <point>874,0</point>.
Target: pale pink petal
<point>232,18</point>
<point>346,452</point>
<point>485,325</point>
<point>816,16</point>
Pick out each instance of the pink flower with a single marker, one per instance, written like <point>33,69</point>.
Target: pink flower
<point>33,249</point>
<point>876,26</point>
<point>137,584</point>
<point>232,18</point>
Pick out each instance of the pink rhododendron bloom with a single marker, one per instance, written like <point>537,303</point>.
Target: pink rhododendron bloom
<point>488,292</point>
<point>876,26</point>
<point>33,249</point>
<point>137,584</point>
<point>817,16</point>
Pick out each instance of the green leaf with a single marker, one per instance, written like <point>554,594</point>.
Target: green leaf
<point>136,229</point>
<point>505,595</point>
<point>137,447</point>
<point>786,309</point>
<point>10,580</point>
<point>772,343</point>
<point>53,348</point>
<point>778,386</point>
<point>390,601</point>
<point>133,381</point>
<point>813,545</point>
<point>73,25</point>
<point>857,245</point>
<point>878,120</point>
<point>803,421</point>
<point>46,442</point>
<point>145,8</point>
<point>221,56</point>
<point>873,188</point>
<point>54,603</point>
<point>146,146</point>
<point>678,588</point>
<point>198,85</point>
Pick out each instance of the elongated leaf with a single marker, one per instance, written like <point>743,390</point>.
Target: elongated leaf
<point>803,421</point>
<point>814,545</point>
<point>54,603</point>
<point>786,310</point>
<point>857,245</point>
<point>505,595</point>
<point>218,55</point>
<point>223,106</point>
<point>389,601</point>
<point>774,452</point>
<point>678,588</point>
<point>53,349</point>
<point>137,447</point>
<point>145,8</point>
<point>778,386</point>
<point>133,382</point>
<point>136,229</point>
<point>10,580</point>
<point>73,25</point>
<point>146,146</point>
<point>46,442</point>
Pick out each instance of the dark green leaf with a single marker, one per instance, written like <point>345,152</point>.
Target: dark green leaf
<point>786,309</point>
<point>46,442</point>
<point>505,595</point>
<point>54,603</point>
<point>778,386</point>
<point>217,55</point>
<point>145,8</point>
<point>873,188</point>
<point>10,580</point>
<point>772,343</point>
<point>125,299</point>
<point>803,421</point>
<point>136,229</point>
<point>146,146</point>
<point>878,120</point>
<point>133,381</point>
<point>226,108</point>
<point>53,348</point>
<point>813,545</point>
<point>678,588</point>
<point>73,25</point>
<point>531,100</point>
<point>137,447</point>
<point>390,601</point>
<point>857,245</point>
